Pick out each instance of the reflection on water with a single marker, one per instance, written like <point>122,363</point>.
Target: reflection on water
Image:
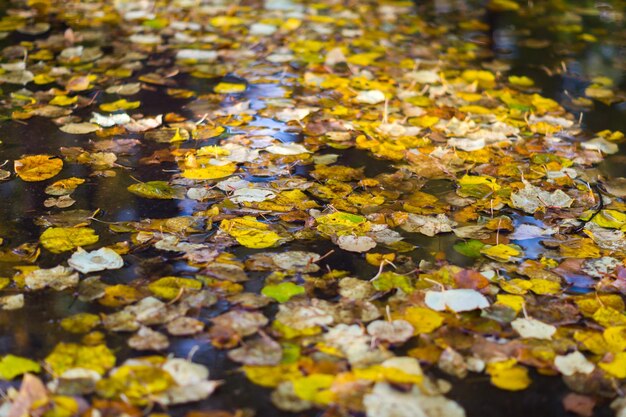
<point>544,44</point>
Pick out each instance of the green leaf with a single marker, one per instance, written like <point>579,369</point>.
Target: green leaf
<point>390,280</point>
<point>471,248</point>
<point>282,292</point>
<point>12,366</point>
<point>156,189</point>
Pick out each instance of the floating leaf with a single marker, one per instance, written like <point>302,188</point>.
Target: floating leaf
<point>282,292</point>
<point>210,172</point>
<point>509,376</point>
<point>228,88</point>
<point>66,356</point>
<point>63,239</point>
<point>97,260</point>
<point>156,189</point>
<point>456,300</point>
<point>12,366</point>
<point>171,287</point>
<point>38,167</point>
<point>250,232</point>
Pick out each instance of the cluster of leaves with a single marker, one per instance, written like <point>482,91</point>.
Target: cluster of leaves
<point>518,173</point>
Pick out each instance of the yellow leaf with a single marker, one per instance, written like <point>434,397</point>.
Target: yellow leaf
<point>62,239</point>
<point>64,187</point>
<point>515,302</point>
<point>37,167</point>
<point>592,341</point>
<point>67,356</point>
<point>508,375</point>
<point>379,373</point>
<point>210,172</point>
<point>617,367</point>
<point>522,81</point>
<point>135,383</point>
<point>63,100</point>
<point>80,323</point>
<point>611,219</point>
<point>171,287</point>
<point>119,295</point>
<point>228,88</point>
<point>12,366</point>
<point>589,304</point>
<point>544,286</point>
<point>271,376</point>
<point>41,79</point>
<point>484,78</point>
<point>423,320</point>
<point>608,317</point>
<point>502,253</point>
<point>615,338</point>
<point>250,232</point>
<point>365,58</point>
<point>314,388</point>
<point>121,104</point>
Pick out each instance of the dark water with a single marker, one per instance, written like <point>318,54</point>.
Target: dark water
<point>33,330</point>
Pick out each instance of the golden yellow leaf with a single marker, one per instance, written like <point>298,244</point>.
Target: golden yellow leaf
<point>250,232</point>
<point>617,367</point>
<point>170,287</point>
<point>62,239</point>
<point>228,88</point>
<point>210,172</point>
<point>37,167</point>
<point>508,375</point>
<point>121,104</point>
<point>423,320</point>
<point>80,323</point>
<point>67,356</point>
<point>502,253</point>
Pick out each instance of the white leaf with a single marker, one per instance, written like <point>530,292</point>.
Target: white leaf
<point>356,243</point>
<point>288,115</point>
<point>185,372</point>
<point>252,195</point>
<point>532,328</point>
<point>531,198</point>
<point>397,331</point>
<point>370,97</point>
<point>59,278</point>
<point>287,149</point>
<point>456,300</point>
<point>529,231</point>
<point>573,363</point>
<point>197,54</point>
<point>602,145</point>
<point>262,29</point>
<point>467,144</point>
<point>111,120</point>
<point>385,401</point>
<point>97,260</point>
<point>12,302</point>
<point>427,225</point>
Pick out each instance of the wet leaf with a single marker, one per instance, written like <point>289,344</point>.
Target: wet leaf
<point>282,292</point>
<point>172,287</point>
<point>156,189</point>
<point>66,356</point>
<point>63,239</point>
<point>12,366</point>
<point>37,167</point>
<point>97,260</point>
